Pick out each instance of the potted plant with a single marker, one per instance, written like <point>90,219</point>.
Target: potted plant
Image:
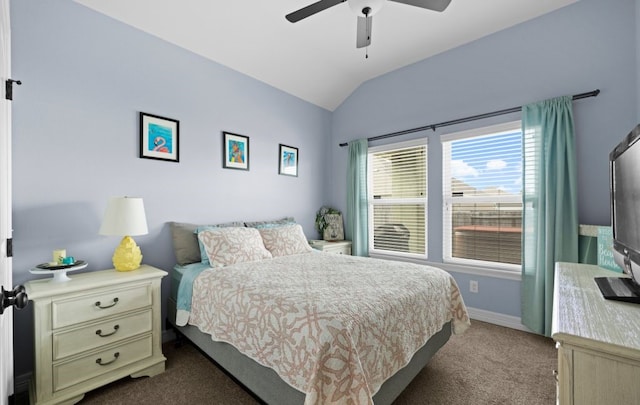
<point>322,219</point>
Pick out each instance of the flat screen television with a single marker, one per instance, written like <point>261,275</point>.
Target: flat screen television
<point>624,168</point>
<point>625,203</point>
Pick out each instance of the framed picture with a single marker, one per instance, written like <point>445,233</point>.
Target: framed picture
<point>235,150</point>
<point>159,138</point>
<point>334,229</point>
<point>288,160</point>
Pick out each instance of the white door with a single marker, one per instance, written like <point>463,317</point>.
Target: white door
<point>6,319</point>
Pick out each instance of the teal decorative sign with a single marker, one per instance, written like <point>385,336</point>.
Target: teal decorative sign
<point>605,249</point>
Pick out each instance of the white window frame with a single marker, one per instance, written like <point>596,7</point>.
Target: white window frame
<point>447,199</point>
<point>371,202</point>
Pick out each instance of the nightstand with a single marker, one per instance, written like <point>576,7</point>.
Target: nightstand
<point>94,329</point>
<point>342,247</point>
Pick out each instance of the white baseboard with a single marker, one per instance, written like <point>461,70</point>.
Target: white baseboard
<point>508,321</point>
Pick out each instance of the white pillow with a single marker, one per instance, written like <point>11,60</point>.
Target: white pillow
<point>285,240</point>
<point>227,246</point>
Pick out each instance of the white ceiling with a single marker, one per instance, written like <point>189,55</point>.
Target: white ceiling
<point>316,59</point>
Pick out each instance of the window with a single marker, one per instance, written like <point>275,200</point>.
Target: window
<point>482,186</point>
<point>398,199</point>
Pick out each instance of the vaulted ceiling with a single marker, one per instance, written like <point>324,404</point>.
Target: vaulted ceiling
<point>316,59</point>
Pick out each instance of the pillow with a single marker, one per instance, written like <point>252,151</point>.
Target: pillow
<point>285,240</point>
<point>270,224</point>
<point>225,246</point>
<point>185,241</point>
<point>203,258</point>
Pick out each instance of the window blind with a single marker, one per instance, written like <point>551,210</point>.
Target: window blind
<point>398,198</point>
<point>482,186</point>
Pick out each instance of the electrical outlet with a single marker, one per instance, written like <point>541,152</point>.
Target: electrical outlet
<point>473,286</point>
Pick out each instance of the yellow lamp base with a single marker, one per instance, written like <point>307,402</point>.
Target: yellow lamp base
<point>127,255</point>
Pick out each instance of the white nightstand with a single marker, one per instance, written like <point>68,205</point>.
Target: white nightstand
<point>342,247</point>
<point>94,329</point>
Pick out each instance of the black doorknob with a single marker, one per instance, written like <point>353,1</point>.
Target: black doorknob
<point>16,297</point>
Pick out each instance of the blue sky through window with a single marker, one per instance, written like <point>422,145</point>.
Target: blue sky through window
<point>489,162</point>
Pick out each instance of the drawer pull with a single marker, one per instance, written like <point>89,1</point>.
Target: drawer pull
<point>115,329</point>
<point>115,357</point>
<point>555,375</point>
<point>99,304</point>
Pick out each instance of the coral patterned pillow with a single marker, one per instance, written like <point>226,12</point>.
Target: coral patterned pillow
<point>285,240</point>
<point>227,246</point>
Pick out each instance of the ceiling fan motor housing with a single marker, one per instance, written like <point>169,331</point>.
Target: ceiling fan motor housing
<point>359,6</point>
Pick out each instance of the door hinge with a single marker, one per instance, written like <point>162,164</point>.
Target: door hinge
<point>8,88</point>
<point>9,247</point>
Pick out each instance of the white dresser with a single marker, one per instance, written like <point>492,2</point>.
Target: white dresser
<point>342,247</point>
<point>94,329</point>
<point>598,340</point>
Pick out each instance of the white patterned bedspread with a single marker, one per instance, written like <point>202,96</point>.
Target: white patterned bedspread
<point>332,326</point>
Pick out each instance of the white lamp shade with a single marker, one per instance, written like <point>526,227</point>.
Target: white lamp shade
<point>124,216</point>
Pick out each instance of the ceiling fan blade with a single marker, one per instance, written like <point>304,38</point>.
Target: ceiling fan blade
<point>363,38</point>
<point>312,9</point>
<point>435,5</point>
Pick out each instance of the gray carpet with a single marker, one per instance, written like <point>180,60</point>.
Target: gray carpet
<point>487,365</point>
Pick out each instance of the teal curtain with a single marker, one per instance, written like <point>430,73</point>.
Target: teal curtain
<point>550,212</point>
<point>357,206</point>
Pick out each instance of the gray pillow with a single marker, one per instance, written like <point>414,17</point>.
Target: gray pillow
<point>185,243</point>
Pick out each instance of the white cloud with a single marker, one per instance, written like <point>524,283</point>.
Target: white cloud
<point>461,169</point>
<point>496,164</point>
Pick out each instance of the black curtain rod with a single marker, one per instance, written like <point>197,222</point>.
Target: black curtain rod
<point>433,127</point>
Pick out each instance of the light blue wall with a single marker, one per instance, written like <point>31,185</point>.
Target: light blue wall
<point>86,77</point>
<point>588,45</point>
<point>75,141</point>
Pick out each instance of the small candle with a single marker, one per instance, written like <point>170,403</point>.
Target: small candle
<point>58,254</point>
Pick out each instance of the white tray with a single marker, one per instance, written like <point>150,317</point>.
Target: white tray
<point>59,274</point>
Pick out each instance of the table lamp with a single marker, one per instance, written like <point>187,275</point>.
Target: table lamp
<point>125,217</point>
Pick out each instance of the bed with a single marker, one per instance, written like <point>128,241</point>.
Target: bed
<point>298,326</point>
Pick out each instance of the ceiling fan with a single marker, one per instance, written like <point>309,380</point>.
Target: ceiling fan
<point>364,9</point>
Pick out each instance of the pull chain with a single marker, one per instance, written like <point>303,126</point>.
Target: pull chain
<point>368,28</point>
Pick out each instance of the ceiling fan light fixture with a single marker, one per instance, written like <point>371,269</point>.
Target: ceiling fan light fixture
<point>357,6</point>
